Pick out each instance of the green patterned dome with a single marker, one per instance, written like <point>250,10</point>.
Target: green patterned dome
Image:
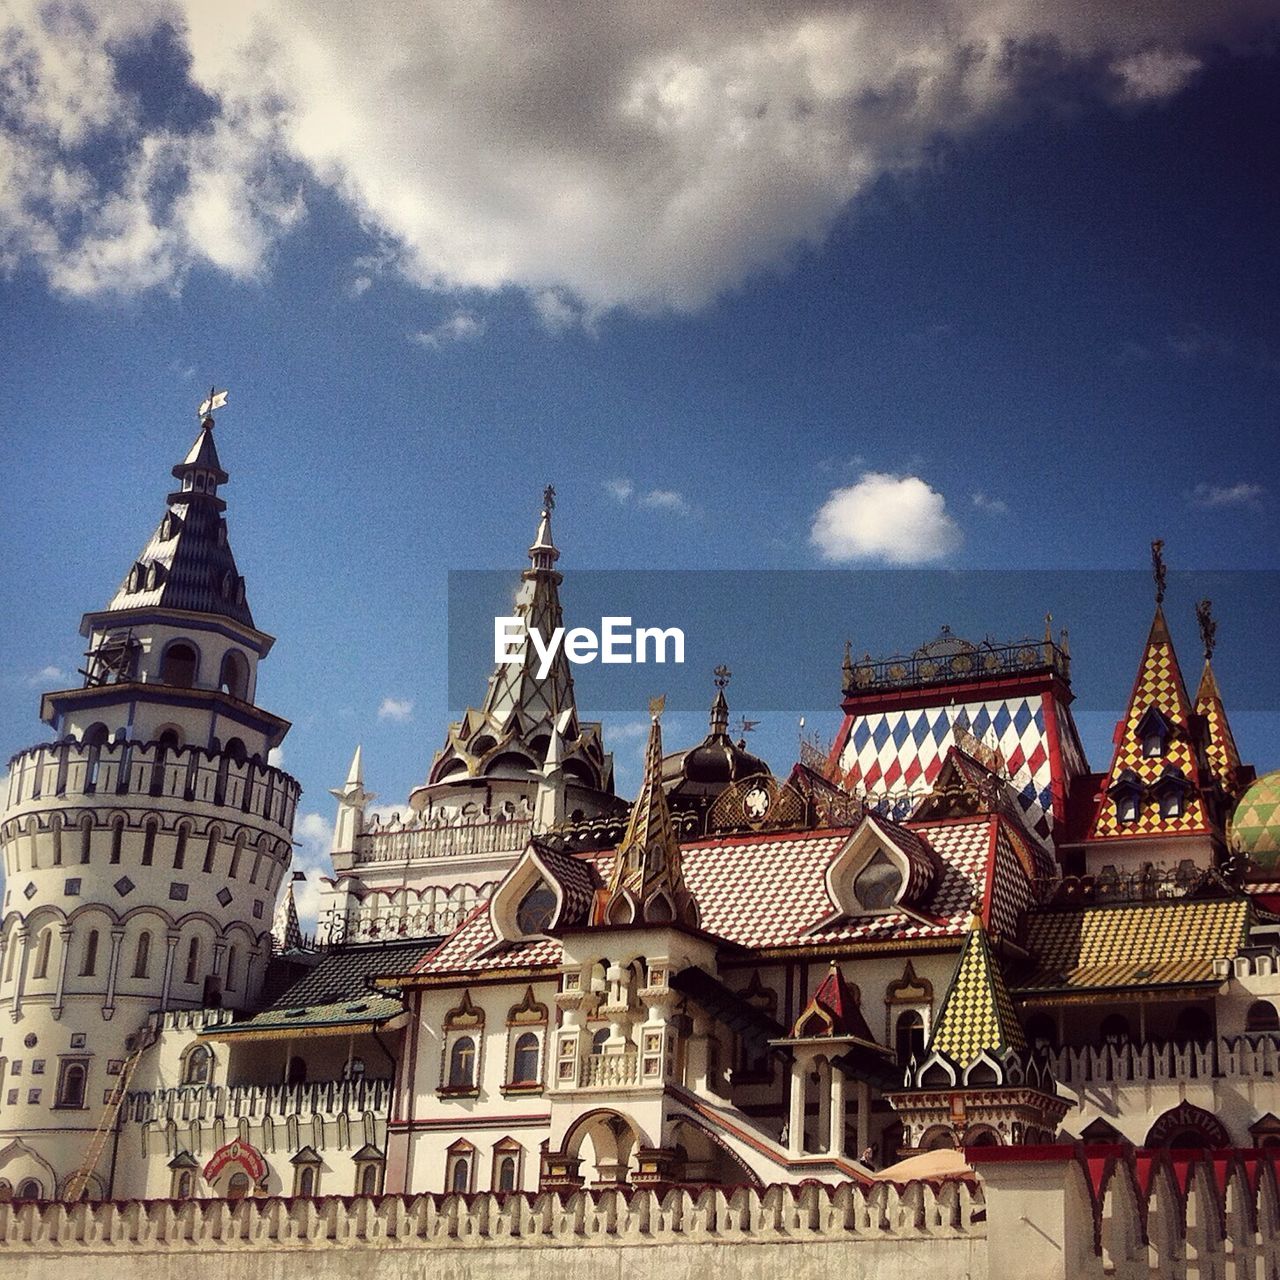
<point>1255,825</point>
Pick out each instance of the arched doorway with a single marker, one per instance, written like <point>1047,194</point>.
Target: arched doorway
<point>1188,1127</point>
<point>605,1142</point>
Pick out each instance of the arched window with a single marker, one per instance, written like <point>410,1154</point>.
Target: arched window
<point>180,846</point>
<point>233,967</point>
<point>462,1063</point>
<point>307,1181</point>
<point>235,748</point>
<point>237,852</point>
<point>142,956</point>
<point>234,676</point>
<point>537,909</point>
<point>180,664</point>
<point>86,839</point>
<point>184,1185</point>
<point>30,1190</point>
<point>369,1179</point>
<point>71,1084</point>
<point>1262,1016</point>
<point>193,960</point>
<point>876,885</point>
<point>909,1037</point>
<point>149,842</point>
<point>460,1172</point>
<point>89,961</point>
<point>42,953</point>
<point>524,1066</point>
<point>506,1179</point>
<point>117,838</point>
<point>197,1067</point>
<point>211,848</point>
<point>598,1040</point>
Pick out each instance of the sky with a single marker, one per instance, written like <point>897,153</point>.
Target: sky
<point>785,286</point>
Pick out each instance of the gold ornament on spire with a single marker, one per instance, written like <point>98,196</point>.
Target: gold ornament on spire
<point>1208,627</point>
<point>1158,570</point>
<point>657,706</point>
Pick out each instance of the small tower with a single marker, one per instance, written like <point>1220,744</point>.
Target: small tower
<point>146,843</point>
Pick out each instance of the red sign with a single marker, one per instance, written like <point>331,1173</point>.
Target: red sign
<point>241,1153</point>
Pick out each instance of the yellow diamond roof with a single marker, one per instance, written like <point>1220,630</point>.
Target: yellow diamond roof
<point>976,1012</point>
<point>1146,945</point>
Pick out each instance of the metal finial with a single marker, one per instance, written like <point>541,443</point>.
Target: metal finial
<point>549,498</point>
<point>657,706</point>
<point>1208,627</point>
<point>722,676</point>
<point>1158,570</point>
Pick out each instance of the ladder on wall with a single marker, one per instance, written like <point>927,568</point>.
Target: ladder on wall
<point>106,1126</point>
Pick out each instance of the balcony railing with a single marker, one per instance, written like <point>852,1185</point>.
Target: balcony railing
<point>211,1102</point>
<point>339,928</point>
<point>1151,884</point>
<point>951,660</point>
<point>609,1070</point>
<point>423,841</point>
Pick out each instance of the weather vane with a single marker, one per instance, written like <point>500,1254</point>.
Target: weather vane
<point>549,497</point>
<point>1158,568</point>
<point>217,399</point>
<point>722,675</point>
<point>1208,627</point>
<point>657,706</point>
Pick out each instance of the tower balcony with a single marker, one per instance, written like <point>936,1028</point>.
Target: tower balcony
<point>54,775</point>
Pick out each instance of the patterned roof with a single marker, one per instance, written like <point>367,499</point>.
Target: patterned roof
<point>187,564</point>
<point>576,878</point>
<point>1159,687</point>
<point>977,1014</point>
<point>1255,825</point>
<point>838,1011</point>
<point>1219,742</point>
<point>1147,945</point>
<point>768,891</point>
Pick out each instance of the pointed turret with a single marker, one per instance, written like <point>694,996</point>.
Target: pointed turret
<point>647,884</point>
<point>977,1015</point>
<point>1219,742</point>
<point>509,734</point>
<point>1153,787</point>
<point>352,800</point>
<point>549,802</point>
<point>188,564</point>
<point>286,932</point>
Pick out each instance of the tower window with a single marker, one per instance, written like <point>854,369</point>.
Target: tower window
<point>42,953</point>
<point>72,1078</point>
<point>909,1037</point>
<point>1127,807</point>
<point>536,910</point>
<point>89,963</point>
<point>462,1063</point>
<point>1171,804</point>
<point>524,1065</point>
<point>180,847</point>
<point>117,839</point>
<point>234,676</point>
<point>197,1068</point>
<point>193,960</point>
<point>233,965</point>
<point>180,664</point>
<point>149,842</point>
<point>142,956</point>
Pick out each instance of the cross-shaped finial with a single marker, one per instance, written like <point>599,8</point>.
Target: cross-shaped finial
<point>722,674</point>
<point>1208,627</point>
<point>1158,570</point>
<point>549,497</point>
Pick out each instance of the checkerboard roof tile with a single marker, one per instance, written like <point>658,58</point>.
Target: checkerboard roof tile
<point>576,878</point>
<point>1220,744</point>
<point>768,891</point>
<point>977,1014</point>
<point>1147,945</point>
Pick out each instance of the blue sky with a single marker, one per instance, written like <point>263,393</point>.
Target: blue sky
<point>784,287</point>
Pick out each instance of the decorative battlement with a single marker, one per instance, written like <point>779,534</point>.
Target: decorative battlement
<point>196,1020</point>
<point>952,660</point>
<point>73,770</point>
<point>206,1103</point>
<point>1255,1057</point>
<point>847,1213</point>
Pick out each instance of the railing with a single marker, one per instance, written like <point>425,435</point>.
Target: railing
<point>951,660</point>
<point>338,928</point>
<point>58,770</point>
<point>1152,884</point>
<point>1254,1055</point>
<point>417,841</point>
<point>209,1102</point>
<point>609,1070</point>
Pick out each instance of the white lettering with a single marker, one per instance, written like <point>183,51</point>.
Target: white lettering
<point>508,640</point>
<point>580,645</point>
<point>546,652</point>
<point>660,638</point>
<point>611,638</point>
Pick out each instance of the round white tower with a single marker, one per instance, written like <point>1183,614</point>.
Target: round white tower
<point>144,845</point>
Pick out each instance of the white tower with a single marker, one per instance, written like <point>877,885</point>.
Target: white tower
<point>144,846</point>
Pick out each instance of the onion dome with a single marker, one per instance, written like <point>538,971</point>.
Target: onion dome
<point>702,772</point>
<point>1255,825</point>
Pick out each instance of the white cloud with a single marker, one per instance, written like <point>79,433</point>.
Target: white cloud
<point>461,326</point>
<point>651,156</point>
<point>1241,494</point>
<point>555,311</point>
<point>666,500</point>
<point>997,506</point>
<point>629,731</point>
<point>624,491</point>
<point>896,519</point>
<point>398,709</point>
<point>275,757</point>
<point>48,676</point>
<point>313,835</point>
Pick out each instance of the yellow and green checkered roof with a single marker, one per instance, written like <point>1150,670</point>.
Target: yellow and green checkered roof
<point>1148,945</point>
<point>976,1012</point>
<point>1255,825</point>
